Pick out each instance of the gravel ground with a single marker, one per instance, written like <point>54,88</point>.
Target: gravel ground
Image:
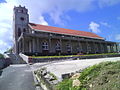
<point>59,68</point>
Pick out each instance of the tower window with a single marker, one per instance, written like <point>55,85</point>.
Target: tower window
<point>24,30</point>
<point>22,19</point>
<point>19,32</point>
<point>22,11</point>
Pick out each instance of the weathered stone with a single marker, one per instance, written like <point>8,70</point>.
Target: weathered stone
<point>54,82</point>
<point>76,82</point>
<point>44,72</point>
<point>75,76</point>
<point>47,76</point>
<point>51,78</point>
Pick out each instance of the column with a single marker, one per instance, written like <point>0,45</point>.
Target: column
<point>116,48</point>
<point>33,42</point>
<point>94,47</point>
<point>30,46</point>
<point>37,45</point>
<point>23,45</point>
<point>61,44</point>
<point>80,46</point>
<point>100,48</point>
<point>106,49</point>
<point>71,46</point>
<point>111,48</point>
<point>50,44</point>
<point>87,47</point>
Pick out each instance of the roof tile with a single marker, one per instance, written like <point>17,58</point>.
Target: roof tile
<point>64,31</point>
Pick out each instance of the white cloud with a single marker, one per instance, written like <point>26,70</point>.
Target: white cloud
<point>104,3</point>
<point>105,24</point>
<point>118,18</point>
<point>94,27</point>
<point>56,9</point>
<point>42,21</point>
<point>117,37</point>
<point>3,46</point>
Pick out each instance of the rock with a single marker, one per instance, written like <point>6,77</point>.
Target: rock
<point>51,78</point>
<point>44,72</point>
<point>90,85</point>
<point>75,83</point>
<point>47,76</point>
<point>55,82</point>
<point>75,76</point>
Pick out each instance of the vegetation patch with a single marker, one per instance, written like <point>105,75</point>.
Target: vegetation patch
<point>104,76</point>
<point>71,55</point>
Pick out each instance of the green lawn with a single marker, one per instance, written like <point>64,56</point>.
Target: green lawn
<point>104,76</point>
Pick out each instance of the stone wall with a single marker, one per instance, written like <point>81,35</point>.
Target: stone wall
<point>4,62</point>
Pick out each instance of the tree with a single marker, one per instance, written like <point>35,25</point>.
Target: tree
<point>8,50</point>
<point>1,55</point>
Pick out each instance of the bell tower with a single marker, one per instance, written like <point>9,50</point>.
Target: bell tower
<point>20,24</point>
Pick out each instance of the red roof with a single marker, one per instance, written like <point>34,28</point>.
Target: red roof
<point>58,30</point>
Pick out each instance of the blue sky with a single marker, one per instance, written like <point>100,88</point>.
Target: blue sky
<point>98,16</point>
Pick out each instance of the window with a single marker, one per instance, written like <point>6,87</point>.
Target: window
<point>68,47</point>
<point>19,10</point>
<point>45,45</point>
<point>19,32</point>
<point>24,30</point>
<point>22,19</point>
<point>89,48</point>
<point>22,11</point>
<point>58,46</point>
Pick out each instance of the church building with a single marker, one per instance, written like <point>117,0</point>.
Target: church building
<point>36,39</point>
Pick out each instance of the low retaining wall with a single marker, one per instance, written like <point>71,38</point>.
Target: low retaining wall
<point>24,57</point>
<point>28,59</point>
<point>36,60</point>
<point>96,56</point>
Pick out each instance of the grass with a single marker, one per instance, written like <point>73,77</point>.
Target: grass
<point>104,76</point>
<point>71,55</point>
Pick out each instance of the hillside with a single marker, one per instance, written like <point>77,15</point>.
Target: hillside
<point>104,76</point>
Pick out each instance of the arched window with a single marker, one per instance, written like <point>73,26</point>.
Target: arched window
<point>24,30</point>
<point>22,11</point>
<point>68,46</point>
<point>19,32</point>
<point>45,45</point>
<point>89,48</point>
<point>57,47</point>
<point>22,18</point>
